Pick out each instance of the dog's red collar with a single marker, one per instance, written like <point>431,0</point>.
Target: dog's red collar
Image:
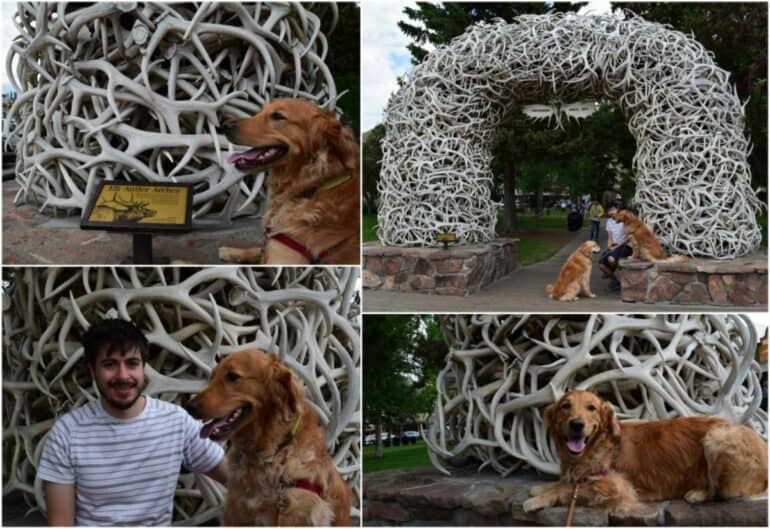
<point>299,248</point>
<point>304,484</point>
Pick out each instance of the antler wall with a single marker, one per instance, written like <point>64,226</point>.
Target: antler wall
<point>693,182</point>
<point>307,316</point>
<point>503,371</point>
<point>137,89</point>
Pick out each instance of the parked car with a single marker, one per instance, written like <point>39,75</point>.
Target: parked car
<point>410,437</point>
<point>371,438</point>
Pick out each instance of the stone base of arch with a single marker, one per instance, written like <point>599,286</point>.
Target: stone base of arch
<point>724,283</point>
<point>456,271</point>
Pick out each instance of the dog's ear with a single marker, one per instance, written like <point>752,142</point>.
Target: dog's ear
<point>288,391</point>
<point>550,415</point>
<point>328,134</point>
<point>611,423</point>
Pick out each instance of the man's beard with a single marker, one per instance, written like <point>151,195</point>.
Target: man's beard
<point>121,405</point>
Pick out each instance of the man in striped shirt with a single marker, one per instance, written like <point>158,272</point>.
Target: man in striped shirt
<point>116,460</point>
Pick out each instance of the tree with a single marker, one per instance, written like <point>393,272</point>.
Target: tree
<point>399,368</point>
<point>370,165</point>
<point>344,59</point>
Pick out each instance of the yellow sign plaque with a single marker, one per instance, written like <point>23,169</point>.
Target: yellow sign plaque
<point>129,206</point>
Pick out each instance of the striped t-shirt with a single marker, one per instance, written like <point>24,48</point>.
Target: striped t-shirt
<point>125,471</point>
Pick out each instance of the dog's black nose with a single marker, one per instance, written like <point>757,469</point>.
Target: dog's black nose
<point>226,128</point>
<point>576,425</point>
<point>193,408</point>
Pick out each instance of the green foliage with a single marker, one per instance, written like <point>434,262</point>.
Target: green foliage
<point>369,221</point>
<point>407,456</point>
<point>403,355</point>
<point>370,165</point>
<point>344,59</point>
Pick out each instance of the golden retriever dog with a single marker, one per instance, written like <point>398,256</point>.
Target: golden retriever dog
<point>575,275</point>
<point>617,465</point>
<point>313,212</point>
<point>280,473</point>
<point>644,243</point>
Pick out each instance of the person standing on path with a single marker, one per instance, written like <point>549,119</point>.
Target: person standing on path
<point>595,213</point>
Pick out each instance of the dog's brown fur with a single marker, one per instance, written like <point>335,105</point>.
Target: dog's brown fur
<point>575,275</point>
<point>644,243</point>
<point>320,150</point>
<point>265,457</point>
<point>622,464</point>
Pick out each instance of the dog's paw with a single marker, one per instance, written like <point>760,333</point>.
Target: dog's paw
<point>533,504</point>
<point>591,295</point>
<point>696,496</point>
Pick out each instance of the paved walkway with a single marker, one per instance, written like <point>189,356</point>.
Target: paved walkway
<point>524,291</point>
<point>30,237</point>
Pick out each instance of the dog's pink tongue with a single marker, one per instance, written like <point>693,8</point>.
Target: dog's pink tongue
<point>576,445</point>
<point>209,427</point>
<point>249,155</point>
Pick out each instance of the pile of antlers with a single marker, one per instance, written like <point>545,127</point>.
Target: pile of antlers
<point>693,182</point>
<point>503,371</point>
<point>307,316</point>
<point>136,90</point>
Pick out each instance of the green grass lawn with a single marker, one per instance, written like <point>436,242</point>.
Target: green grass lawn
<point>415,455</point>
<point>530,249</point>
<point>557,220</point>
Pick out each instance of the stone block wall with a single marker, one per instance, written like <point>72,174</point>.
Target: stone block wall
<point>737,282</point>
<point>424,497</point>
<point>456,271</point>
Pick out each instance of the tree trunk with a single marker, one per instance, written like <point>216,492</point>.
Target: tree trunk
<point>509,195</point>
<point>378,440</point>
<point>539,205</point>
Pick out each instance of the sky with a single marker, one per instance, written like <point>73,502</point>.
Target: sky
<point>7,33</point>
<point>385,57</point>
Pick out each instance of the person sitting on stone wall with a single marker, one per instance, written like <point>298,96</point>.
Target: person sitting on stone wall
<point>617,249</point>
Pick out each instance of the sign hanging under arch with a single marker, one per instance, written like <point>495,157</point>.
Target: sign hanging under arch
<point>693,181</point>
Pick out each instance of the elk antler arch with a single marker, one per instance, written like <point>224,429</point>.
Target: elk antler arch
<point>693,182</point>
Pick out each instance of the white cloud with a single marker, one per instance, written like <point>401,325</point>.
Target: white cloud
<point>595,7</point>
<point>384,57</point>
<point>7,33</point>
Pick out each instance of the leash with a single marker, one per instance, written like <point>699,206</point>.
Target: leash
<point>571,510</point>
<point>573,501</point>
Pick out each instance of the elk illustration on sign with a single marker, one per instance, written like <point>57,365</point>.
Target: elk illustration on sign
<point>117,209</point>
